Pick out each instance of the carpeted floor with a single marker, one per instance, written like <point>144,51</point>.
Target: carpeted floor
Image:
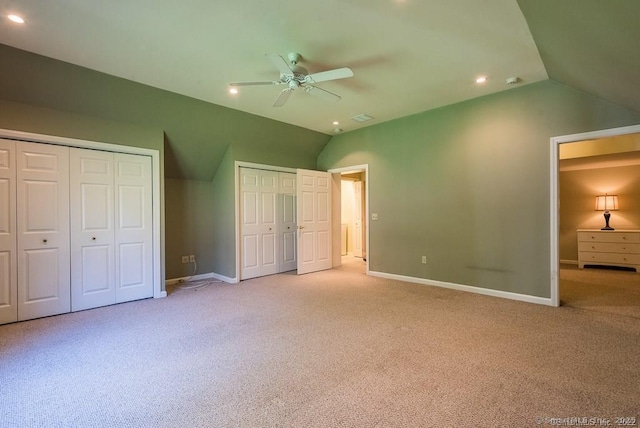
<point>330,349</point>
<point>610,291</point>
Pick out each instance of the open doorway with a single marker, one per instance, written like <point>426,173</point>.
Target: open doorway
<point>353,249</point>
<point>588,274</point>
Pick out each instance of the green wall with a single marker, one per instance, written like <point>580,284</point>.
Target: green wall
<point>468,185</point>
<point>43,95</point>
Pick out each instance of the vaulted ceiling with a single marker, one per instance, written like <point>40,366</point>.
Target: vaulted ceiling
<point>408,56</point>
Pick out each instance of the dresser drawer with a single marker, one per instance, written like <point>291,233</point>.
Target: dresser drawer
<point>612,258</point>
<point>609,247</point>
<point>609,236</point>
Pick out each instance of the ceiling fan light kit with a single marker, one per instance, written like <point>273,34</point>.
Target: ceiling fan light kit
<point>295,76</point>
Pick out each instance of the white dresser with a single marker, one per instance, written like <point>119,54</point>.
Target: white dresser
<point>609,248</point>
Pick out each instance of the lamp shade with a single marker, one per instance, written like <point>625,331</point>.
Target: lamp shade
<point>606,203</point>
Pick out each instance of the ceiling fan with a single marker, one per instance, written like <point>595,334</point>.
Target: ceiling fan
<point>295,76</point>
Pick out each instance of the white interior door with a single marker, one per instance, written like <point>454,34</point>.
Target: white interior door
<point>258,205</point>
<point>313,190</point>
<point>133,227</point>
<point>8,260</point>
<point>287,222</point>
<point>357,219</point>
<point>92,233</point>
<point>43,230</point>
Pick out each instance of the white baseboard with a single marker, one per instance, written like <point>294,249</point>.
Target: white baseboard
<point>200,277</point>
<point>477,290</point>
<point>568,262</point>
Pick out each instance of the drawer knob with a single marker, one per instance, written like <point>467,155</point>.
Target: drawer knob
<point>593,247</point>
<point>624,237</point>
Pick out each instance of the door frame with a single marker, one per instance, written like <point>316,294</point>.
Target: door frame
<point>363,168</point>
<point>554,195</point>
<point>158,243</point>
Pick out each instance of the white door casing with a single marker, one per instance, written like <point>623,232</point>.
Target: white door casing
<point>313,190</point>
<point>43,230</point>
<point>287,253</point>
<point>92,232</point>
<point>8,260</point>
<point>133,227</point>
<point>258,204</point>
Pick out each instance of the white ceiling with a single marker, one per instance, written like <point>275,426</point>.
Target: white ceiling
<point>408,56</point>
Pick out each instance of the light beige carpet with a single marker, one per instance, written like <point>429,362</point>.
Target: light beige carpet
<point>329,349</point>
<point>601,290</point>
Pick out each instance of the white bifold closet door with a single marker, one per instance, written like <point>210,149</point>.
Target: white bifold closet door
<point>75,229</point>
<point>8,263</point>
<point>267,222</point>
<point>111,228</point>
<point>92,230</point>
<point>258,204</point>
<point>133,227</point>
<point>42,230</point>
<point>314,220</point>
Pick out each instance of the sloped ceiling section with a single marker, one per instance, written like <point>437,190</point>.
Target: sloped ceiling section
<point>197,133</point>
<point>590,45</point>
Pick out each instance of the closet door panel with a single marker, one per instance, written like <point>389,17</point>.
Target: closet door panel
<point>250,240</point>
<point>92,231</point>
<point>268,221</point>
<point>133,227</point>
<point>8,261</point>
<point>287,222</point>
<point>258,228</point>
<point>43,230</point>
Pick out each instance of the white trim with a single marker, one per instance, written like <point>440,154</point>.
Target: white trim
<point>241,164</point>
<point>200,277</point>
<point>467,288</point>
<point>155,161</point>
<point>360,168</point>
<point>554,192</point>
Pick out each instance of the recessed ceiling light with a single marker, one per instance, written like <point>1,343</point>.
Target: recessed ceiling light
<point>481,79</point>
<point>15,18</point>
<point>335,122</point>
<point>233,91</point>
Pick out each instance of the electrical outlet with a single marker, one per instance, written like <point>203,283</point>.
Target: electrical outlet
<point>374,216</point>
<point>424,260</point>
<point>185,259</point>
<point>192,258</point>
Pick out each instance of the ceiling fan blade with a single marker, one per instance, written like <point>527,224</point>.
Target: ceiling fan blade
<point>319,92</point>
<point>280,63</point>
<point>254,83</point>
<point>323,76</point>
<point>283,97</point>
